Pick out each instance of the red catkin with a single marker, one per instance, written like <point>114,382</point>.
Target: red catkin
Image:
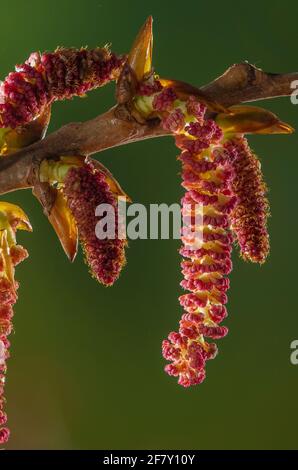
<point>84,189</point>
<point>47,77</point>
<point>207,175</point>
<point>8,297</point>
<point>249,217</point>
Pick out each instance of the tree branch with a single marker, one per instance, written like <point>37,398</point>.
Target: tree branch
<point>245,82</point>
<point>240,83</point>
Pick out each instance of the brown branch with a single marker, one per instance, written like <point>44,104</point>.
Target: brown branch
<point>244,82</point>
<point>240,83</point>
<point>110,129</point>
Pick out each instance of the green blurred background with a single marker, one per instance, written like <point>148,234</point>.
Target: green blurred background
<point>86,370</point>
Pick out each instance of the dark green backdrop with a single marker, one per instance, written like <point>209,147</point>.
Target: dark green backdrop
<point>86,369</point>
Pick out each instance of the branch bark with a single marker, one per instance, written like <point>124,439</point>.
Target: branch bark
<point>239,84</point>
<point>245,82</point>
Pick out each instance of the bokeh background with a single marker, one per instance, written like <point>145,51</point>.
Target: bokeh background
<point>86,370</point>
